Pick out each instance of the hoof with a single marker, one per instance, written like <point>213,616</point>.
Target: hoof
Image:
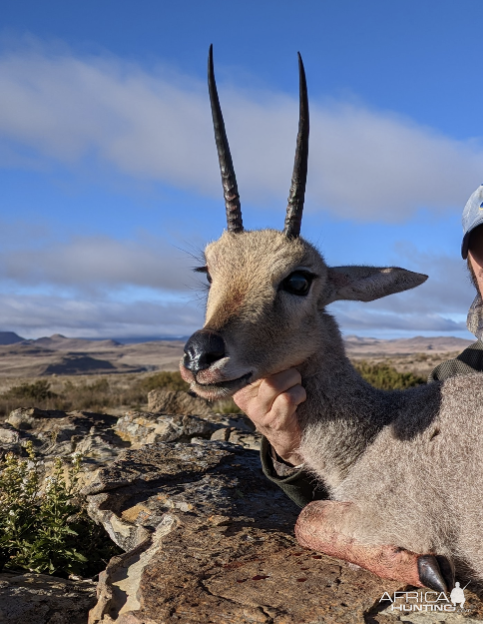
<point>435,572</point>
<point>447,570</point>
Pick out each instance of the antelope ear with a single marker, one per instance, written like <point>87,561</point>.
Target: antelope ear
<point>362,283</point>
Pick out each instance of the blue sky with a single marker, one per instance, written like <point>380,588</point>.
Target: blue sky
<point>109,172</point>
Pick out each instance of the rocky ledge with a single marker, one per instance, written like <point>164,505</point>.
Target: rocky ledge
<point>206,538</point>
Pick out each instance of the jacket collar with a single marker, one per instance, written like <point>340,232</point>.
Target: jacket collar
<point>474,321</point>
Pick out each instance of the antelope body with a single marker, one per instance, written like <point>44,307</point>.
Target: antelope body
<point>404,469</point>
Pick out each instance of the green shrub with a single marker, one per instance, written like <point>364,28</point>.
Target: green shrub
<point>37,391</point>
<point>95,396</point>
<point>386,377</point>
<point>164,379</point>
<point>44,527</point>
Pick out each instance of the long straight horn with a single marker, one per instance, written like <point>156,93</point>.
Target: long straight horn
<point>296,195</point>
<point>228,178</point>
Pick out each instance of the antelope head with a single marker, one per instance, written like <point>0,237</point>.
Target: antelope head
<point>269,288</point>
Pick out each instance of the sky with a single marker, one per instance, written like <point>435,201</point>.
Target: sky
<point>109,174</point>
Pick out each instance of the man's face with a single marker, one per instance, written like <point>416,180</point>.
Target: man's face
<point>475,255</point>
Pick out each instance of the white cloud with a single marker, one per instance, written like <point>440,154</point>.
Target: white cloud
<point>96,318</point>
<point>32,316</point>
<point>439,305</point>
<point>155,125</point>
<point>88,263</point>
<point>447,291</point>
<point>102,286</point>
<point>365,321</point>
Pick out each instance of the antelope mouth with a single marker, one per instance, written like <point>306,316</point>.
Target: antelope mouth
<point>220,389</point>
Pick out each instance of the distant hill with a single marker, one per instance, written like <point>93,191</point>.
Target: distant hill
<point>57,342</point>
<point>8,338</point>
<point>356,345</point>
<point>59,355</point>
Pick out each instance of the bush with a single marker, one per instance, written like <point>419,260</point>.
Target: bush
<point>99,396</point>
<point>37,394</point>
<point>83,396</point>
<point>165,379</point>
<point>96,396</point>
<point>37,391</point>
<point>44,527</point>
<point>386,377</point>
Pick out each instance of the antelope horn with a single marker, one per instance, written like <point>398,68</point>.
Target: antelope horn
<point>295,206</point>
<point>228,178</point>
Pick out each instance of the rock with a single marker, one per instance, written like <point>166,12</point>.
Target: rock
<point>58,434</point>
<point>9,436</point>
<point>247,440</point>
<point>9,440</point>
<point>223,434</point>
<point>32,417</point>
<point>100,437</point>
<point>178,402</point>
<point>144,428</point>
<point>41,599</point>
<point>211,541</point>
<point>139,428</point>
<point>207,539</point>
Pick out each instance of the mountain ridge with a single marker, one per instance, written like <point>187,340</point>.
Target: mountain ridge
<point>61,355</point>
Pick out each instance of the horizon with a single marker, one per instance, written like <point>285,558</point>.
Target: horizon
<point>111,185</point>
<point>141,339</point>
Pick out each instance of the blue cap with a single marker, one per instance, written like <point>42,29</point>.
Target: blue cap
<point>472,218</point>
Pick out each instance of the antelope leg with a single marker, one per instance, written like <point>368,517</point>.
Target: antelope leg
<point>317,528</point>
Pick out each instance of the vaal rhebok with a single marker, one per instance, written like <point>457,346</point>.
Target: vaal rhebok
<point>404,469</point>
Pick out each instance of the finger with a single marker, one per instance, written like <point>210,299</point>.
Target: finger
<point>244,396</point>
<point>276,384</point>
<point>297,394</point>
<point>282,415</point>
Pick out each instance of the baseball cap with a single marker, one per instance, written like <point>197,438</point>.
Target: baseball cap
<point>472,218</point>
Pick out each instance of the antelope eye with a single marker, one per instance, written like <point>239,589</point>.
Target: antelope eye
<point>297,283</point>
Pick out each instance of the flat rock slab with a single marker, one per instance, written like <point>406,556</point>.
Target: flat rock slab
<point>139,428</point>
<point>210,540</point>
<point>41,599</point>
<point>178,402</point>
<point>58,434</point>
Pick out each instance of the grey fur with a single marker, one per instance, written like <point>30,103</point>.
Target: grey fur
<point>410,461</point>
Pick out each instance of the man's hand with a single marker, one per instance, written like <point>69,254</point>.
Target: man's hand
<point>271,404</point>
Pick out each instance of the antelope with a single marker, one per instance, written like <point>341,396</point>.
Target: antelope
<point>404,469</point>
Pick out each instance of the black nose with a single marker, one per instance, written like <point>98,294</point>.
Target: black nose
<point>202,349</point>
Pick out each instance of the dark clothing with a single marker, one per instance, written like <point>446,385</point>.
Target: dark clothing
<point>467,362</point>
<point>302,488</point>
<point>299,485</point>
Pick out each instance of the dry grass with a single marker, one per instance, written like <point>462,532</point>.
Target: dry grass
<point>387,377</point>
<point>102,393</point>
<point>118,392</point>
<point>420,364</point>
